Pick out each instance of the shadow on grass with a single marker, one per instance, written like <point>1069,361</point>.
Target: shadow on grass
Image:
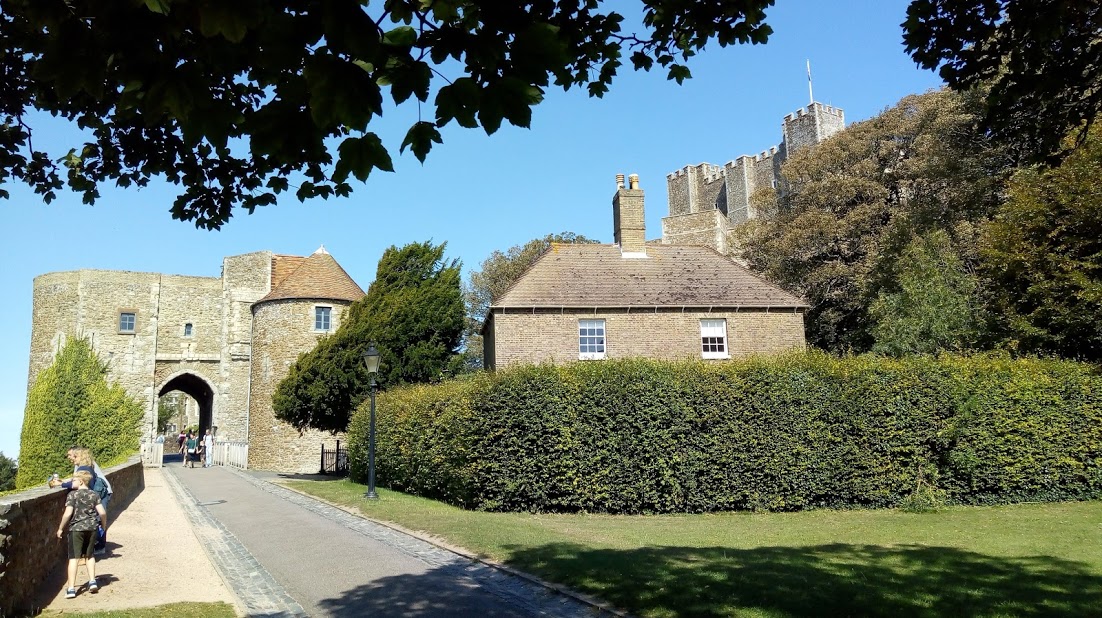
<point>824,580</point>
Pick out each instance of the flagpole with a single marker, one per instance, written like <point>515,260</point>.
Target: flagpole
<point>809,94</point>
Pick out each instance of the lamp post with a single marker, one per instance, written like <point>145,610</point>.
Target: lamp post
<point>371,359</point>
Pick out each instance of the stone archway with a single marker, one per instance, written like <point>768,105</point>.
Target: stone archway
<point>196,387</point>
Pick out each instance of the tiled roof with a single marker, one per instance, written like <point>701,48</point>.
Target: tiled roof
<point>593,275</point>
<point>284,265</point>
<point>317,276</point>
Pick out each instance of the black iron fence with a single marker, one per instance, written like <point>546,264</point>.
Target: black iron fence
<point>334,461</point>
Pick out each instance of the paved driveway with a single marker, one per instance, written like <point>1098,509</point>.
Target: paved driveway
<point>285,554</point>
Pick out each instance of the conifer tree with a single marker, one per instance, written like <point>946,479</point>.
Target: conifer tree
<point>71,403</point>
<point>413,311</point>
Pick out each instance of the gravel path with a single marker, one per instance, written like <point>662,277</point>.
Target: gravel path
<point>154,558</point>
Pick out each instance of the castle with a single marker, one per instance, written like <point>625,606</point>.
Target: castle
<point>706,201</point>
<point>224,341</point>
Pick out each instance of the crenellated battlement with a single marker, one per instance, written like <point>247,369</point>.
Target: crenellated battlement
<point>814,108</point>
<point>727,189</point>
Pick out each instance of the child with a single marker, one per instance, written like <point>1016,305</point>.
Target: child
<point>83,512</point>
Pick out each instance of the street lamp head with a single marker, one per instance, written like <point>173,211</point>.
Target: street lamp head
<point>371,358</point>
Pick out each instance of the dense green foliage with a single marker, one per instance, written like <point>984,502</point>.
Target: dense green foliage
<point>934,308</point>
<point>849,208</point>
<point>784,433</point>
<point>1043,255</point>
<point>495,275</point>
<point>413,311</point>
<point>1041,59</point>
<point>8,469</point>
<point>71,403</point>
<point>239,101</point>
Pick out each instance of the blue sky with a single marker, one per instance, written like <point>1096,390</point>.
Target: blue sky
<point>476,192</point>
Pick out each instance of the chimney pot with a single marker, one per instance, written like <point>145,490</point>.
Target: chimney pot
<point>619,181</point>
<point>633,181</point>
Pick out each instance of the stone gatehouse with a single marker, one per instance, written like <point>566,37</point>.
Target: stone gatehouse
<point>224,341</point>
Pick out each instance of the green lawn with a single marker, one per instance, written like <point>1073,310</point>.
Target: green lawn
<point>1022,560</point>
<point>175,610</point>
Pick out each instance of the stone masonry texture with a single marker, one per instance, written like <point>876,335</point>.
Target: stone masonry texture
<point>29,548</point>
<point>196,335</point>
<point>727,190</point>
<point>552,336</point>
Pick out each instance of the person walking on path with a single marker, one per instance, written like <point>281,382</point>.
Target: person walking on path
<point>150,574</point>
<point>81,458</point>
<point>83,511</point>
<point>192,446</point>
<point>208,449</point>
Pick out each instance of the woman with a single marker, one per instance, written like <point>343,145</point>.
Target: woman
<point>192,446</point>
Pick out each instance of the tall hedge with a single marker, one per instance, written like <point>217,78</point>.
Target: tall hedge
<point>72,403</point>
<point>782,433</point>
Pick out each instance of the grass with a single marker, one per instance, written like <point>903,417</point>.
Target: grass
<point>173,610</point>
<point>1020,560</point>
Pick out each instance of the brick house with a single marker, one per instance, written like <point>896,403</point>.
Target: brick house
<point>634,299</point>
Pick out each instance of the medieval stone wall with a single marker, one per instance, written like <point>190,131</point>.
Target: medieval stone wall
<point>729,189</point>
<point>283,329</point>
<point>245,280</point>
<point>700,228</point>
<point>552,336</point>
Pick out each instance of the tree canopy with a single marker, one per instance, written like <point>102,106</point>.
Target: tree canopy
<point>1043,255</point>
<point>850,207</point>
<point>8,470</point>
<point>1042,60</point>
<point>413,311</point>
<point>234,101</point>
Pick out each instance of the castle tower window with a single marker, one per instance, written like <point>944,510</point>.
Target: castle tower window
<point>127,321</point>
<point>713,338</point>
<point>323,319</point>
<point>188,329</point>
<point>591,339</point>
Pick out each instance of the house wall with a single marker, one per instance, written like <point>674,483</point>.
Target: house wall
<point>552,336</point>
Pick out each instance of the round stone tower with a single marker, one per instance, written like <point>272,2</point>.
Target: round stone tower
<point>309,298</point>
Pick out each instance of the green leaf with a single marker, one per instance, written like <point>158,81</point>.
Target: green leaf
<point>158,6</point>
<point>459,100</point>
<point>420,138</point>
<point>402,36</point>
<point>229,19</point>
<point>359,155</point>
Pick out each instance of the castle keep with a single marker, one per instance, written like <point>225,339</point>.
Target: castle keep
<point>224,341</point>
<point>706,201</point>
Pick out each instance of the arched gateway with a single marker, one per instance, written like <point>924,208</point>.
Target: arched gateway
<point>198,335</point>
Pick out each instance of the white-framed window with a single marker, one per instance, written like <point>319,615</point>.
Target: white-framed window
<point>713,338</point>
<point>591,339</point>
<point>323,319</point>
<point>128,321</point>
<point>189,330</point>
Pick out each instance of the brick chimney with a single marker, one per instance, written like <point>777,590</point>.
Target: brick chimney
<point>628,225</point>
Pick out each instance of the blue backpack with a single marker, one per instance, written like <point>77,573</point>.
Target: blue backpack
<point>98,484</point>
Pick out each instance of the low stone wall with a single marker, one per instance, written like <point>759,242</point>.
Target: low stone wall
<point>29,547</point>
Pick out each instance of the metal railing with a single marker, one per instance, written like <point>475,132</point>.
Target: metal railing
<point>334,460</point>
<point>234,454</point>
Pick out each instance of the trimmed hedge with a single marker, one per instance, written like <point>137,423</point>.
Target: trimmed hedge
<point>779,433</point>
